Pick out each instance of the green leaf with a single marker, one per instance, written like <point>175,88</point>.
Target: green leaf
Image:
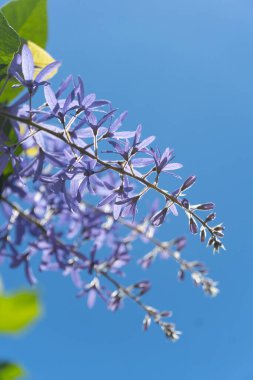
<point>9,45</point>
<point>29,19</point>
<point>10,371</point>
<point>18,310</point>
<point>10,93</point>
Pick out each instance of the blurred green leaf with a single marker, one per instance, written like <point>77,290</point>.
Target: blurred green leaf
<point>9,45</point>
<point>10,371</point>
<point>29,19</point>
<point>18,310</point>
<point>10,93</point>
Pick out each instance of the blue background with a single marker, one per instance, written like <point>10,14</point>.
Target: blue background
<point>184,69</point>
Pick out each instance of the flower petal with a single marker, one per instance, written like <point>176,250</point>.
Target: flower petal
<point>27,63</point>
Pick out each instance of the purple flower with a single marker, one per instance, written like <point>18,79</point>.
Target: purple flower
<point>115,300</point>
<point>116,195</point>
<point>129,206</point>
<point>193,225</point>
<point>159,217</point>
<point>203,206</point>
<point>57,108</point>
<point>87,103</point>
<point>84,178</point>
<point>180,243</point>
<point>92,290</point>
<point>138,145</point>
<point>146,322</point>
<point>27,66</point>
<point>163,161</point>
<point>188,183</point>
<point>111,132</point>
<point>19,259</point>
<point>142,287</point>
<point>127,150</point>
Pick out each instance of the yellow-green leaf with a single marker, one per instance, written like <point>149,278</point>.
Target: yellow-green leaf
<point>10,371</point>
<point>41,59</point>
<point>18,310</point>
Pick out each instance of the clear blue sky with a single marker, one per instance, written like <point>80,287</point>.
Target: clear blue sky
<point>184,69</point>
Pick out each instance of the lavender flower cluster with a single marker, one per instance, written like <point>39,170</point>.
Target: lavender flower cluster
<point>70,181</point>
